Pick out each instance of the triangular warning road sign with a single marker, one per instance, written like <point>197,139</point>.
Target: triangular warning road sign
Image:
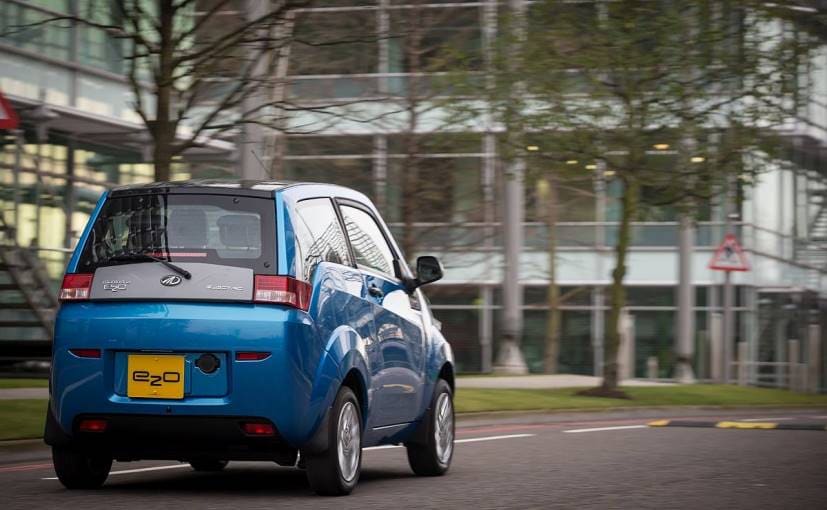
<point>729,256</point>
<point>8,117</point>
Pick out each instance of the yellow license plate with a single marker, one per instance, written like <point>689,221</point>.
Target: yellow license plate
<point>155,376</point>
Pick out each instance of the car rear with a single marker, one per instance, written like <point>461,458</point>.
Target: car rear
<point>177,337</point>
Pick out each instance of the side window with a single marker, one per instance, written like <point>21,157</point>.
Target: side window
<point>319,236</point>
<point>369,245</point>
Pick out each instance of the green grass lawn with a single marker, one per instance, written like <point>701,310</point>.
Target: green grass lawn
<point>22,419</point>
<point>476,400</point>
<point>23,383</point>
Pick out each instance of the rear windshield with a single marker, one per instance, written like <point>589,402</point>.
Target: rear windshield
<point>213,229</point>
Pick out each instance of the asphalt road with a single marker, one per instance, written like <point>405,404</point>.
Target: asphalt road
<point>532,461</point>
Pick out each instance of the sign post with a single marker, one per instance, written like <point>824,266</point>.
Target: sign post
<point>728,257</point>
<point>8,117</point>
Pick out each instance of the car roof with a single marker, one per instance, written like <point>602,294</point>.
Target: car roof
<point>255,188</point>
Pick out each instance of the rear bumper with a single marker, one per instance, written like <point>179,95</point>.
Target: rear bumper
<point>287,389</point>
<point>136,437</point>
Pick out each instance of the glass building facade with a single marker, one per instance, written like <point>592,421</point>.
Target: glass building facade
<point>397,56</point>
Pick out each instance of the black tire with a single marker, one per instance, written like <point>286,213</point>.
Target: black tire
<point>80,470</point>
<point>428,456</point>
<point>208,465</point>
<point>324,472</point>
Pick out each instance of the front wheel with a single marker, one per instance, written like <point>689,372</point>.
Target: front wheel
<point>79,470</point>
<point>335,472</point>
<point>432,455</point>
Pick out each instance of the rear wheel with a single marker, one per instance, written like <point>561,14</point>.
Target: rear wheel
<point>432,455</point>
<point>208,464</point>
<point>80,470</point>
<point>335,472</point>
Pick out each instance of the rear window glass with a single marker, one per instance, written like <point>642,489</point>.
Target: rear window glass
<point>212,229</point>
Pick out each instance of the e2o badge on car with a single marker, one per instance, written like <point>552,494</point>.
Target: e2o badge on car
<point>115,285</point>
<point>306,336</point>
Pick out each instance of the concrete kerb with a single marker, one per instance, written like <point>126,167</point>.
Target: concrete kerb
<point>740,425</point>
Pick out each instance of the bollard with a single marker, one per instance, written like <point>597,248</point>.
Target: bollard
<point>626,351</point>
<point>743,366</point>
<point>652,371</point>
<point>814,358</point>
<point>716,348</point>
<point>703,355</point>
<point>793,359</point>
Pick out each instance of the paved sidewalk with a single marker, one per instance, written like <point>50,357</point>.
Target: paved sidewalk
<point>544,382</point>
<point>20,393</point>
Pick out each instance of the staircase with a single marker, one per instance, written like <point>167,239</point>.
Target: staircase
<point>813,251</point>
<point>27,303</point>
<point>818,226</point>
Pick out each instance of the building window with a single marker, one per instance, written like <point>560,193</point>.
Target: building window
<point>340,43</point>
<point>356,173</point>
<point>444,189</point>
<point>428,39</point>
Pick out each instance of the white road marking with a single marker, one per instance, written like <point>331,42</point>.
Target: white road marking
<point>384,447</point>
<point>468,440</point>
<point>141,470</point>
<point>765,419</point>
<point>492,438</point>
<point>601,429</point>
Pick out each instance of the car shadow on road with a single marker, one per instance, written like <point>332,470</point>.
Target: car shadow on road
<point>240,481</point>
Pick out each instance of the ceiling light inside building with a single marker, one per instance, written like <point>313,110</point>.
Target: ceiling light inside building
<point>571,162</point>
<point>591,167</point>
<point>698,159</point>
<point>609,173</point>
<point>532,148</point>
<point>661,146</point>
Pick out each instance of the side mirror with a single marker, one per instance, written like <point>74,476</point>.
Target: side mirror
<point>428,270</point>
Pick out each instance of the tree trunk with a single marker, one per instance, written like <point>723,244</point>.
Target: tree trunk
<point>629,203</point>
<point>410,167</point>
<point>161,154</point>
<point>162,129</point>
<point>552,350</point>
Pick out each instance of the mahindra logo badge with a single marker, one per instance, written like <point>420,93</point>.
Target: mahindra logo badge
<point>170,280</point>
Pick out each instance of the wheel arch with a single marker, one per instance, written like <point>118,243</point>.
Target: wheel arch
<point>345,366</point>
<point>355,380</point>
<point>447,373</point>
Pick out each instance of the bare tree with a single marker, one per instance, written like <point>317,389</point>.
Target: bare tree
<point>194,65</point>
<point>432,40</point>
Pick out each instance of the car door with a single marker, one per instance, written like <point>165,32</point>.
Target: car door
<point>324,259</point>
<point>397,318</point>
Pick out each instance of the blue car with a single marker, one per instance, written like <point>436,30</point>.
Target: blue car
<point>209,321</point>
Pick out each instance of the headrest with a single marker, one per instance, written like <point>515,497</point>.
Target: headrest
<point>188,228</point>
<point>240,231</point>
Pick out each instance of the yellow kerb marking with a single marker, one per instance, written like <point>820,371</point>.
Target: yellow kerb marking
<point>659,423</point>
<point>745,425</point>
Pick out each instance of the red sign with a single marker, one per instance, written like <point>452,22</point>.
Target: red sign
<point>8,117</point>
<point>729,256</point>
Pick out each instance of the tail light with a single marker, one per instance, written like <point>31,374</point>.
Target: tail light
<point>86,353</point>
<point>259,429</point>
<point>282,290</point>
<point>92,425</point>
<point>75,287</point>
<point>251,356</point>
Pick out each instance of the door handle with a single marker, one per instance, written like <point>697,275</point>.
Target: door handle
<point>375,291</point>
